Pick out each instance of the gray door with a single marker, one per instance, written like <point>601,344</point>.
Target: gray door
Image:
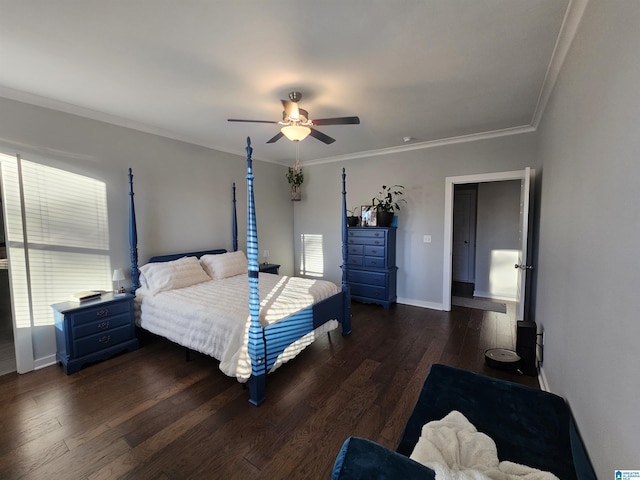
<point>464,233</point>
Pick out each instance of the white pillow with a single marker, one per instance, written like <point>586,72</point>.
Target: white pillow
<point>224,265</point>
<point>184,272</point>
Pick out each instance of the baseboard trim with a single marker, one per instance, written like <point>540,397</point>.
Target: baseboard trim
<point>504,298</point>
<point>44,362</point>
<point>542,380</point>
<point>420,303</point>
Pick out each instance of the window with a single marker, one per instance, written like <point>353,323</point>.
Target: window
<point>57,237</point>
<point>312,258</point>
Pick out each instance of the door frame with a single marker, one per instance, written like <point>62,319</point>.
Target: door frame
<point>448,221</point>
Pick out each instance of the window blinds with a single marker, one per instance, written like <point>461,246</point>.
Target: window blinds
<point>57,237</point>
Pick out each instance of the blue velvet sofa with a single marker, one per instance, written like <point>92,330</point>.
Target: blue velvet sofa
<point>529,426</point>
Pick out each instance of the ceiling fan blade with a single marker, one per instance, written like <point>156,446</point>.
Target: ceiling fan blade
<point>337,121</point>
<point>249,121</point>
<point>276,138</point>
<point>291,109</point>
<point>321,136</point>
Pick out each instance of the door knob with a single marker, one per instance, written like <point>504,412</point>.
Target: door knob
<point>524,267</point>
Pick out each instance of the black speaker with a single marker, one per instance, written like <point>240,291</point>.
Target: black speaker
<point>526,347</point>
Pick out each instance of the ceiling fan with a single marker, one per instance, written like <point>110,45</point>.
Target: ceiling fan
<point>296,124</point>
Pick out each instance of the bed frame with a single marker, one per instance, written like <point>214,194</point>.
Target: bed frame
<point>265,344</point>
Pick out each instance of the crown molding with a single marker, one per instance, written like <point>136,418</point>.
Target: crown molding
<point>474,137</point>
<point>567,33</point>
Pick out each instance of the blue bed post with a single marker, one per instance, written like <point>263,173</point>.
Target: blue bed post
<point>257,352</point>
<point>234,221</point>
<point>346,321</point>
<point>133,239</point>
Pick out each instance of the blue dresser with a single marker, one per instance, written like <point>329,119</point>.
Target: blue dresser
<point>371,264</point>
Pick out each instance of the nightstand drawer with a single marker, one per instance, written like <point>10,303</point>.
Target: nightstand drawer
<point>99,341</point>
<point>99,313</point>
<point>101,325</point>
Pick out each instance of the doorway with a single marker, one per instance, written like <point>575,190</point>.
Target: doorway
<point>524,179</point>
<point>7,345</point>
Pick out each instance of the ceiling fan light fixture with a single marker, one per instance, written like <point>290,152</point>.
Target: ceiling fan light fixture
<point>295,133</point>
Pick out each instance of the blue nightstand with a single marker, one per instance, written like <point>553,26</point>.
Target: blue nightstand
<point>93,330</point>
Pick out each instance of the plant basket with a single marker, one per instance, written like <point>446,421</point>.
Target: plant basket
<point>296,193</point>
<point>384,219</point>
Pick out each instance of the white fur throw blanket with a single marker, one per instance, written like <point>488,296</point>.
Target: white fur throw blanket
<point>455,450</point>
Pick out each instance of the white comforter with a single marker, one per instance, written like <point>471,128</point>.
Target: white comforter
<point>213,317</point>
<point>455,450</point>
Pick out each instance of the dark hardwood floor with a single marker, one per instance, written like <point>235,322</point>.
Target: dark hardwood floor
<point>149,414</point>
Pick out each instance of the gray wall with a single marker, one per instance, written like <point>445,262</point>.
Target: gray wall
<point>182,191</point>
<point>588,264</point>
<point>423,173</point>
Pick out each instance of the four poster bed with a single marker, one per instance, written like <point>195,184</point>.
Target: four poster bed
<point>209,301</point>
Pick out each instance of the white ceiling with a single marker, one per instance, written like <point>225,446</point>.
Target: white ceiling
<point>433,70</point>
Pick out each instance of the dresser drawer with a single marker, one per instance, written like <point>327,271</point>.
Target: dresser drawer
<point>365,277</point>
<point>93,343</point>
<point>100,312</point>
<point>367,232</point>
<point>366,241</point>
<point>355,249</point>
<point>374,262</point>
<point>99,326</point>
<point>368,291</point>
<point>355,260</point>
<point>374,251</point>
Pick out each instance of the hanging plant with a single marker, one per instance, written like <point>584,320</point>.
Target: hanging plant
<point>295,177</point>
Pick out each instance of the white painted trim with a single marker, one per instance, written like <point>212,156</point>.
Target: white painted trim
<point>448,221</point>
<point>542,380</point>
<point>491,296</point>
<point>45,361</point>
<point>567,33</point>
<point>423,145</point>
<point>420,303</point>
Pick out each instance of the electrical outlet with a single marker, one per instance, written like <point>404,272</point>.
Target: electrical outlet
<point>426,239</point>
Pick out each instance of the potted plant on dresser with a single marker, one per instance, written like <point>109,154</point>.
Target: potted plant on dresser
<point>387,202</point>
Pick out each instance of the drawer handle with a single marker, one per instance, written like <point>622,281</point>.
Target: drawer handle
<point>103,325</point>
<point>374,251</point>
<point>377,242</point>
<point>105,339</point>
<point>102,313</point>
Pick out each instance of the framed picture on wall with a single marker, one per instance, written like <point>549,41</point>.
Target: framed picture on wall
<point>368,216</point>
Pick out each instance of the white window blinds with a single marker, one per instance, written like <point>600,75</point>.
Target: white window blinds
<point>57,237</point>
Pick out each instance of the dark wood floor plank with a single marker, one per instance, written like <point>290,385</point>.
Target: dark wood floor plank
<point>149,414</point>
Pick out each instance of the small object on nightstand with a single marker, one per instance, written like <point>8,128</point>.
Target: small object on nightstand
<point>269,268</point>
<point>118,276</point>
